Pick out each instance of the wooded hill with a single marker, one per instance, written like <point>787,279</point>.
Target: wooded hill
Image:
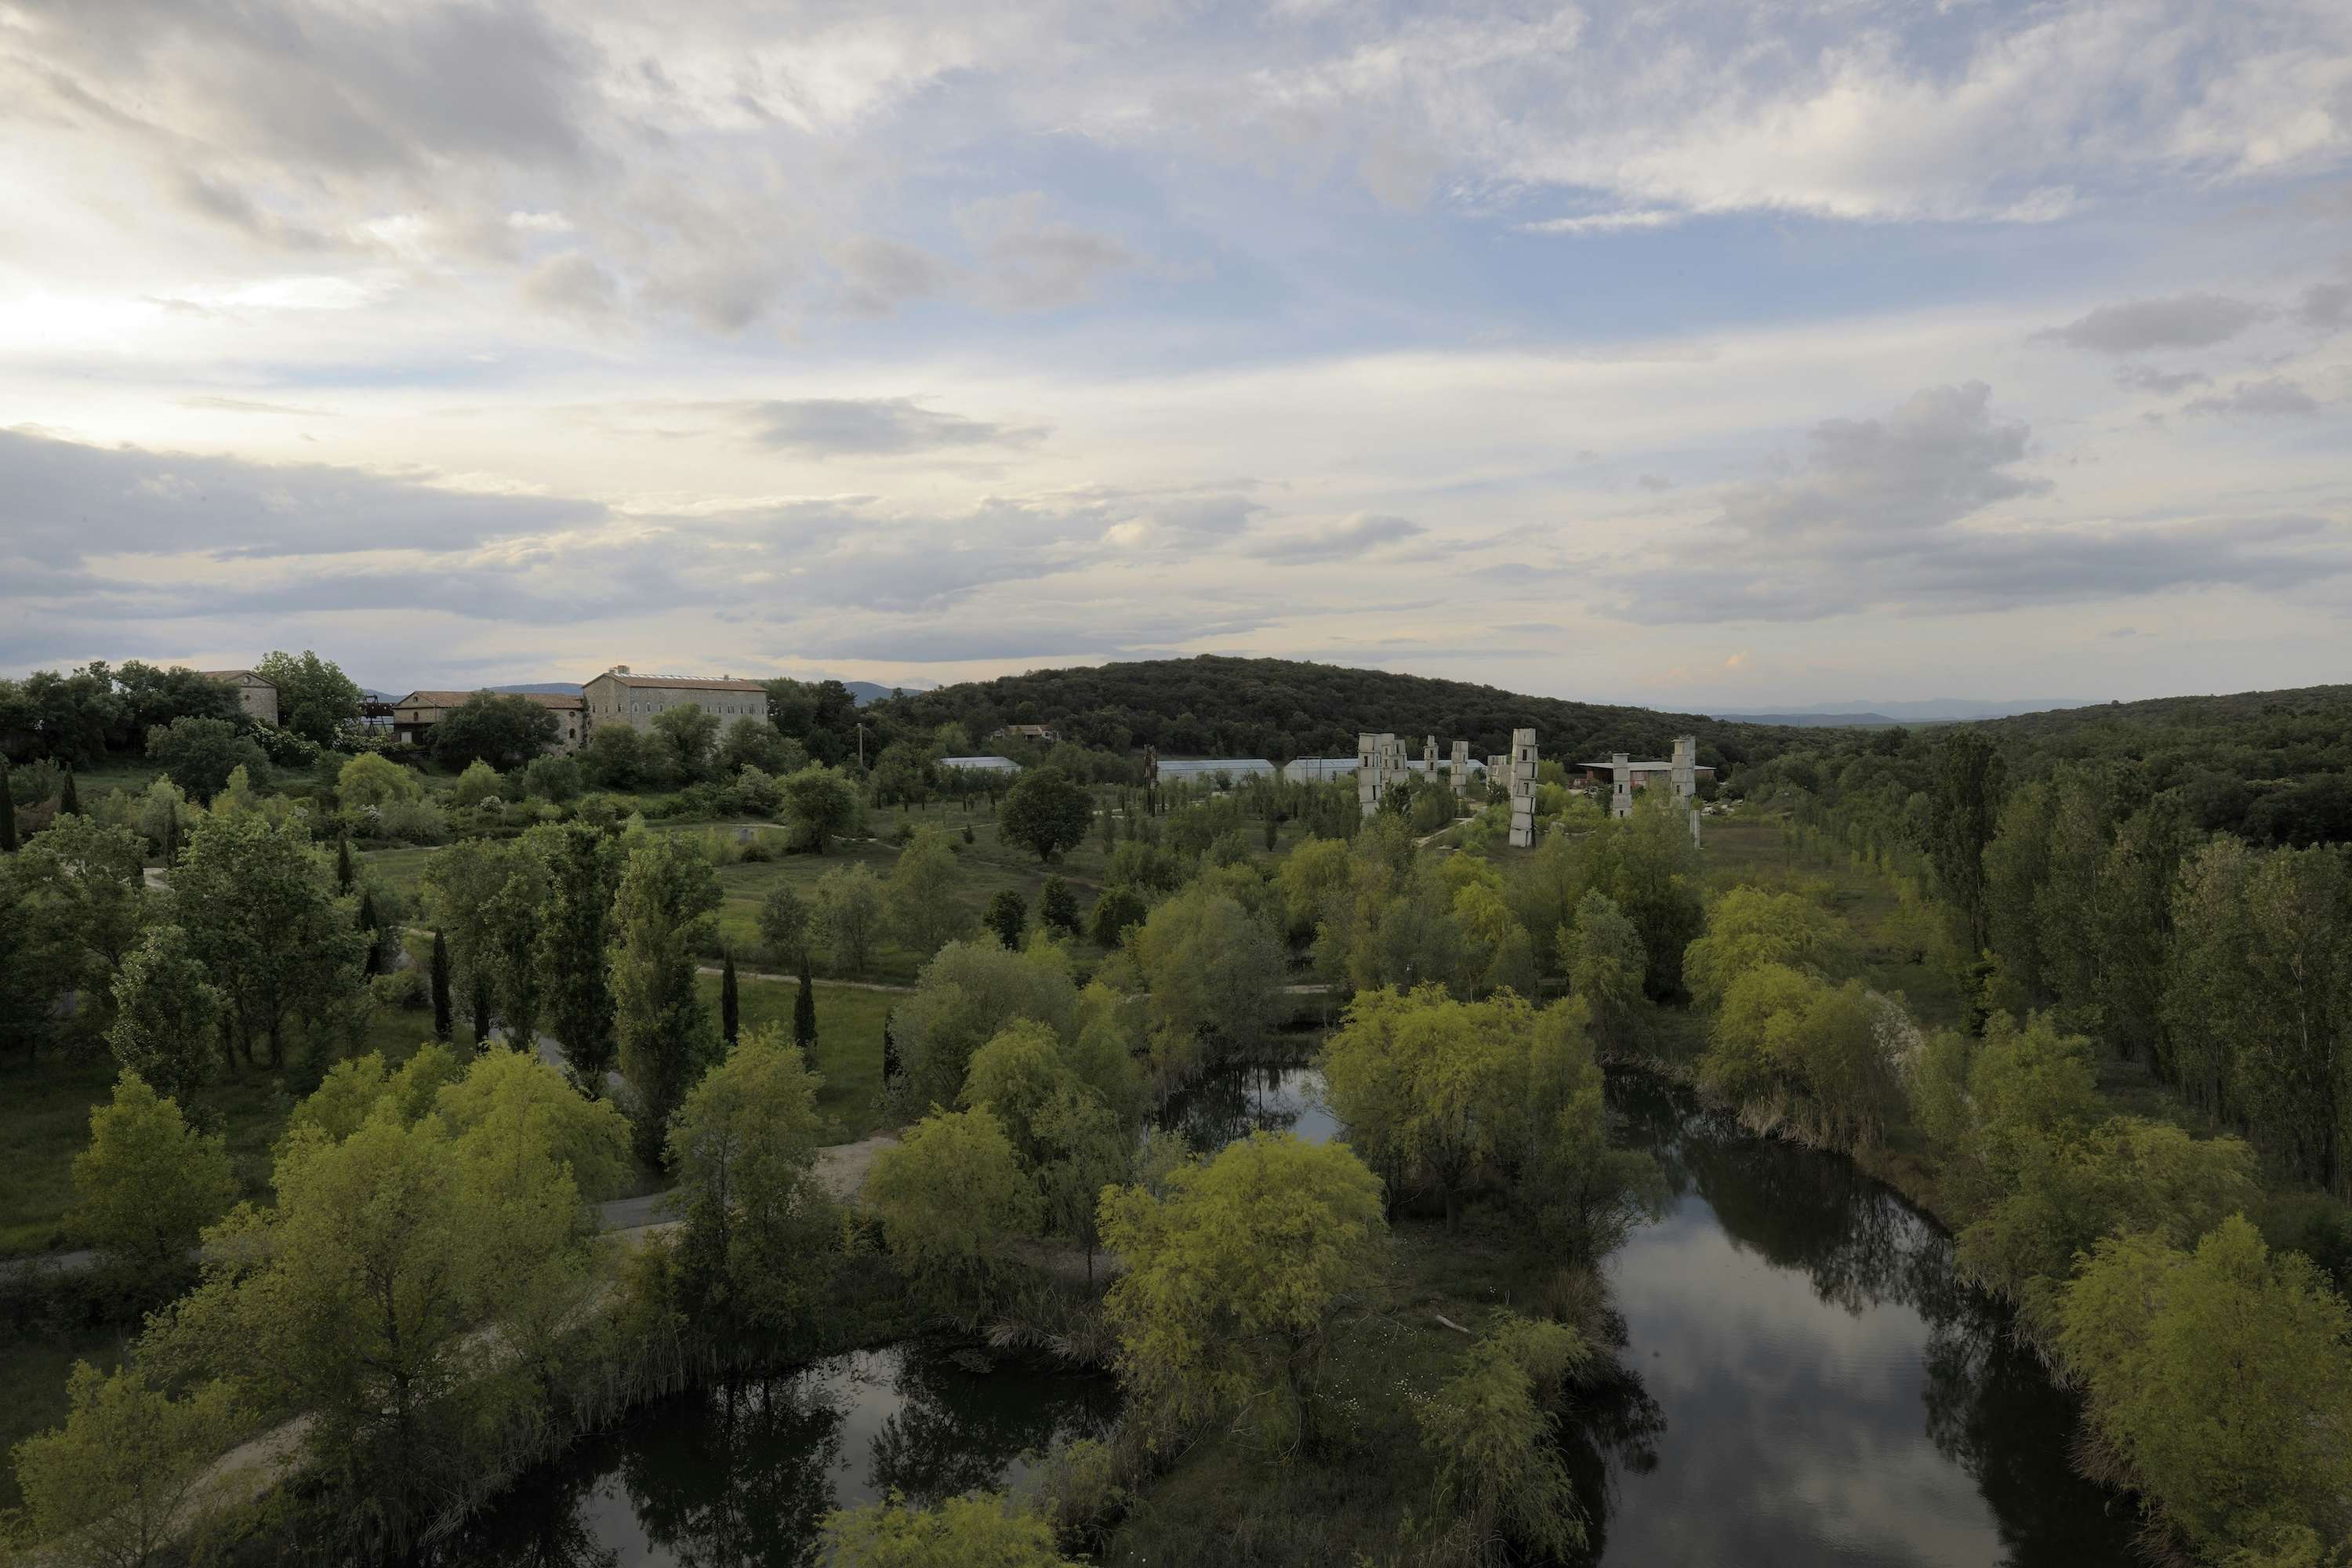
<point>1280,709</point>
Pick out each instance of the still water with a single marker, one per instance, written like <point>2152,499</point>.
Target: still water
<point>1809,1382</point>
<point>1803,1380</point>
<point>744,1472</point>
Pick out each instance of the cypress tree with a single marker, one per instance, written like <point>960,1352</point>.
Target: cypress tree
<point>481,1013</point>
<point>804,1009</point>
<point>442,1026</point>
<point>889,1047</point>
<point>730,1014</point>
<point>369,924</point>
<point>8,815</point>
<point>70,798</point>
<point>343,873</point>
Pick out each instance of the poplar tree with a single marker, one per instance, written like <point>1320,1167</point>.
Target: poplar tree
<point>583,872</point>
<point>804,1009</point>
<point>661,915</point>
<point>70,798</point>
<point>730,1005</point>
<point>8,815</point>
<point>343,873</point>
<point>442,1026</point>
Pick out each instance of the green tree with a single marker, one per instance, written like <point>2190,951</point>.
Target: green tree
<point>86,890</point>
<point>615,757</point>
<point>346,874</point>
<point>822,806</point>
<point>167,1015</point>
<point>1046,812</point>
<point>963,998</point>
<point>1084,1146</point>
<point>661,917</point>
<point>7,813</point>
<point>743,1149</point>
<point>443,1026</point>
<point>1057,907</point>
<point>200,754</point>
<point>953,1198</point>
<point>1214,970</point>
<point>148,1183</point>
<point>976,1530</point>
<point>493,898</point>
<point>553,778</point>
<point>1602,957</point>
<point>1007,916</point>
<point>1117,911</point>
<point>1014,1075</point>
<point>477,784</point>
<point>850,905</point>
<point>162,810</point>
<point>373,779</point>
<point>315,698</point>
<point>1232,1279</point>
<point>498,730</point>
<point>804,1008</point>
<point>123,1479</point>
<point>2222,1379</point>
<point>262,921</point>
<point>751,743</point>
<point>583,869</point>
<point>785,924</point>
<point>1747,927</point>
<point>685,736</point>
<point>731,1001</point>
<point>1970,783</point>
<point>923,882</point>
<point>1497,1445</point>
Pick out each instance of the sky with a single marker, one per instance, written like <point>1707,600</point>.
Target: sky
<point>1687,354</point>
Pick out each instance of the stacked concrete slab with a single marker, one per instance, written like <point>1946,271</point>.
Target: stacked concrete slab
<point>1380,762</point>
<point>1686,780</point>
<point>1461,767</point>
<point>1522,788</point>
<point>1620,783</point>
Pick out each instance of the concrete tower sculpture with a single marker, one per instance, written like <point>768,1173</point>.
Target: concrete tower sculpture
<point>1380,762</point>
<point>1522,788</point>
<point>1620,784</point>
<point>1461,767</point>
<point>1686,779</point>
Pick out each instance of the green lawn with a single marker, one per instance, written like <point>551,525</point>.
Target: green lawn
<point>848,1053</point>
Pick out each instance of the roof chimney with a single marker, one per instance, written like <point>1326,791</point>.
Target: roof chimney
<point>620,670</point>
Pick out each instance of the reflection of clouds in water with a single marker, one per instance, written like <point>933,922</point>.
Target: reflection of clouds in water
<point>1793,1428</point>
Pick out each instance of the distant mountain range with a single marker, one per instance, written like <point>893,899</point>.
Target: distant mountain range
<point>1933,710</point>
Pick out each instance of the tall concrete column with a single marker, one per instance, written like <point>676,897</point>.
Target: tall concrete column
<point>1620,784</point>
<point>1522,788</point>
<point>1685,777</point>
<point>1461,767</point>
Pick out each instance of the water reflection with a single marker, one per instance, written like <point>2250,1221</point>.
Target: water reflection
<point>1816,1385</point>
<point>741,1474</point>
<point>1228,1105</point>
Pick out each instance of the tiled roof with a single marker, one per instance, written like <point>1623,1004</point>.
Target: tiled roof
<point>236,675</point>
<point>560,701</point>
<point>686,682</point>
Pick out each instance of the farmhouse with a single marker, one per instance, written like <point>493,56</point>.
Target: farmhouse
<point>620,696</point>
<point>257,694</point>
<point>414,716</point>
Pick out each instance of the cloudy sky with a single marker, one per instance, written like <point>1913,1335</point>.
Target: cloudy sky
<point>1695,355</point>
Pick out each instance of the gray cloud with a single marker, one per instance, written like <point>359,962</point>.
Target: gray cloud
<point>827,426</point>
<point>2147,378</point>
<point>1028,262</point>
<point>2183,321</point>
<point>881,275</point>
<point>2325,306</point>
<point>252,405</point>
<point>1886,514</point>
<point>1343,541</point>
<point>61,502</point>
<point>571,282</point>
<point>1654,483</point>
<point>2269,397</point>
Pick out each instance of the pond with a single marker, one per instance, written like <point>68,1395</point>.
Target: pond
<point>743,1472</point>
<point>1810,1382</point>
<point>1804,1379</point>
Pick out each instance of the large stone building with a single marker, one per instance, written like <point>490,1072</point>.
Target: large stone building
<point>619,696</point>
<point>414,716</point>
<point>257,694</point>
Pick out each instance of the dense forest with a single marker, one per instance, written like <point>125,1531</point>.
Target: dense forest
<point>1280,709</point>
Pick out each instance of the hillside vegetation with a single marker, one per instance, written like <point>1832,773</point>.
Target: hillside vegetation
<point>1280,708</point>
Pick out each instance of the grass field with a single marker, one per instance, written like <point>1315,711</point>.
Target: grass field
<point>848,1053</point>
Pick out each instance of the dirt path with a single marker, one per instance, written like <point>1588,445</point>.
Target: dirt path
<point>794,980</point>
